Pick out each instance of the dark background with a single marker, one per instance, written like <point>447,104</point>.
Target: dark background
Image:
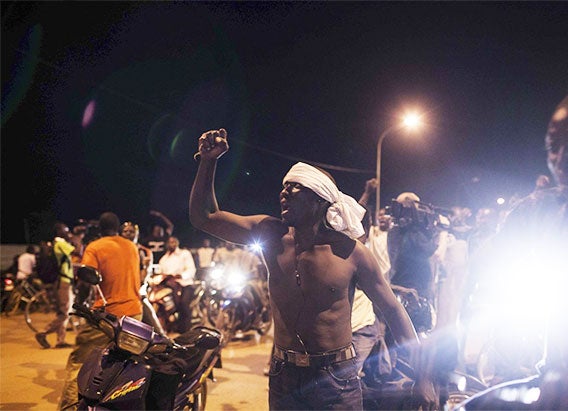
<point>290,81</point>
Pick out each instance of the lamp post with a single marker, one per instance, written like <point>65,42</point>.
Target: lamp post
<point>410,121</point>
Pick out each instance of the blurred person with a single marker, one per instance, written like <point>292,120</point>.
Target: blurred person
<point>62,248</point>
<point>117,260</point>
<point>179,264</point>
<point>314,262</point>
<point>530,248</point>
<point>159,234</point>
<point>203,257</point>
<point>131,231</point>
<point>205,254</point>
<point>27,262</point>
<point>411,244</point>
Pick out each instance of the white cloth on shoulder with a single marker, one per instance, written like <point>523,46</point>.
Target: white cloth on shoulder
<point>344,214</point>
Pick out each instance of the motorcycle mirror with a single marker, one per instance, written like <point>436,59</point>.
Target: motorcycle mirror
<point>89,274</point>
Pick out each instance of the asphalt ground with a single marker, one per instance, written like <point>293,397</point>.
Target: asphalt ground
<point>31,378</point>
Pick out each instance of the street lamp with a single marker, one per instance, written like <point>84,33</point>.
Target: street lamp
<point>410,121</point>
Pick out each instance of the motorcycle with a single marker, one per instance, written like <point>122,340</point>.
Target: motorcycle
<point>392,389</point>
<point>8,283</point>
<point>164,294</point>
<point>141,369</point>
<point>237,302</point>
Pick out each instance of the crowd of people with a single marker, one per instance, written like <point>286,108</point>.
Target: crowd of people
<point>335,270</point>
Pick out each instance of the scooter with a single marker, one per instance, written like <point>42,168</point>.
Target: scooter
<point>141,369</point>
<point>164,295</point>
<point>235,302</point>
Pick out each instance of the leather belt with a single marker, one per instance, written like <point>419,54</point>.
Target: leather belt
<point>314,360</point>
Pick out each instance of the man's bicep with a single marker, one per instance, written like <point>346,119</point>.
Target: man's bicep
<point>232,227</point>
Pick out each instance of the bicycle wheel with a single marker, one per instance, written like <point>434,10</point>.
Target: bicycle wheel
<point>13,303</point>
<point>40,311</point>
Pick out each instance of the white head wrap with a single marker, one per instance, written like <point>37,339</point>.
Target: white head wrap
<point>344,214</point>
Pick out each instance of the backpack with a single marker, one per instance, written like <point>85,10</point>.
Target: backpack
<point>47,266</point>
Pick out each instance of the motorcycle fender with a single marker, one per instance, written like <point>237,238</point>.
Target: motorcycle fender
<point>129,388</point>
<point>107,380</point>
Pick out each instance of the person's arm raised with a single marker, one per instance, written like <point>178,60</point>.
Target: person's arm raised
<point>204,212</point>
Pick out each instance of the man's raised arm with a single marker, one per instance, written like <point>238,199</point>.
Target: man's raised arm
<point>204,212</point>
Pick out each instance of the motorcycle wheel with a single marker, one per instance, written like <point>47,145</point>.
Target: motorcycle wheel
<point>265,320</point>
<point>224,321</point>
<point>199,398</point>
<point>39,311</point>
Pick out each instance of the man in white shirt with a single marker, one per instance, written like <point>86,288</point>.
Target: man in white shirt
<point>27,262</point>
<point>180,265</point>
<point>205,254</point>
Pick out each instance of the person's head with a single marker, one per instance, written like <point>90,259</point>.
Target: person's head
<point>310,197</point>
<point>206,243</point>
<point>172,244</point>
<point>130,231</point>
<point>384,220</point>
<point>109,224</point>
<point>32,249</point>
<point>158,231</point>
<point>61,230</point>
<point>556,142</point>
<point>407,199</point>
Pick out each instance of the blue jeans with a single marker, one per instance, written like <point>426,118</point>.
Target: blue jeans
<point>332,387</point>
<point>364,340</point>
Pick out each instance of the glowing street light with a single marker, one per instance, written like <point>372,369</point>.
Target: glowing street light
<point>411,121</point>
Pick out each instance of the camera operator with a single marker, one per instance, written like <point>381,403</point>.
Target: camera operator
<point>411,244</point>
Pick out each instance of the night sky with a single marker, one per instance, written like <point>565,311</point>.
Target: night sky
<point>103,102</point>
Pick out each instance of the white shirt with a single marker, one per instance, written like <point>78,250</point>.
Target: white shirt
<point>180,261</point>
<point>26,265</point>
<point>377,244</point>
<point>205,255</point>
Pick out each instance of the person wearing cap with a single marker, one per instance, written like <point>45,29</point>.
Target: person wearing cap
<point>411,244</point>
<point>314,262</point>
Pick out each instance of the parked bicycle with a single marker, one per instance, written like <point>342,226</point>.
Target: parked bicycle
<point>37,301</point>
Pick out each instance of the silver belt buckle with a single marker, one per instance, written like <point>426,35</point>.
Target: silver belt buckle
<point>302,360</point>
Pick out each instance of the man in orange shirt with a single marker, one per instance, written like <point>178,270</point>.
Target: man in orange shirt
<point>118,262</point>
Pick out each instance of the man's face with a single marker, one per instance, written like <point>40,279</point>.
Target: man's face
<point>384,220</point>
<point>555,143</point>
<point>129,232</point>
<point>298,204</point>
<point>172,244</point>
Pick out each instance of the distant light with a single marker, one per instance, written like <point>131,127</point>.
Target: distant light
<point>88,114</point>
<point>500,201</point>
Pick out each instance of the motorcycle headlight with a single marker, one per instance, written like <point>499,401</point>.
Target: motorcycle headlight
<point>236,283</point>
<point>135,336</point>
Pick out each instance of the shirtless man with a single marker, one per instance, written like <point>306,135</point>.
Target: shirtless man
<point>314,263</point>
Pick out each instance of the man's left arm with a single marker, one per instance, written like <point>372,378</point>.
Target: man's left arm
<point>375,286</point>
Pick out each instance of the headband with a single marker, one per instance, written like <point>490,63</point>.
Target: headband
<point>344,214</point>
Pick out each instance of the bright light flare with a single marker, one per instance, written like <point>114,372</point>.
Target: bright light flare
<point>256,247</point>
<point>412,121</point>
<point>500,201</point>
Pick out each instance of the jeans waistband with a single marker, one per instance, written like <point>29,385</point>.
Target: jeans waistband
<point>300,359</point>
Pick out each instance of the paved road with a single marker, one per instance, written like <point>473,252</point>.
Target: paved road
<point>31,378</point>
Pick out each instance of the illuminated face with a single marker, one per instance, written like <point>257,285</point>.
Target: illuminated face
<point>130,232</point>
<point>172,244</point>
<point>298,204</point>
<point>555,143</point>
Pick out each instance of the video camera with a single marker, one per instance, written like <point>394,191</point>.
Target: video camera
<point>424,215</point>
